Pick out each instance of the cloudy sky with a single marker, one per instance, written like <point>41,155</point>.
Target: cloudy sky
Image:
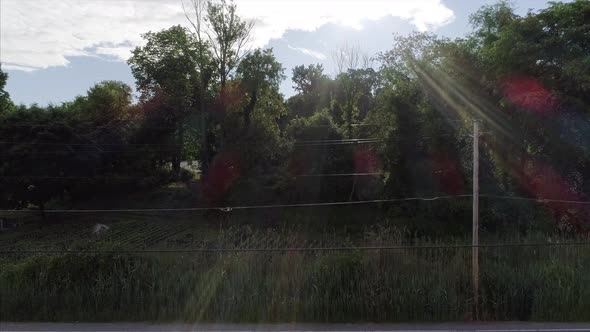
<point>54,50</point>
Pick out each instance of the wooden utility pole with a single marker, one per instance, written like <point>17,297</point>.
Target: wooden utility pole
<point>475,235</point>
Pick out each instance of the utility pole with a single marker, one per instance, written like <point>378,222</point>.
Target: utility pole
<point>475,235</point>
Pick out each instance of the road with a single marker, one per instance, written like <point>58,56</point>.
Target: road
<point>455,327</point>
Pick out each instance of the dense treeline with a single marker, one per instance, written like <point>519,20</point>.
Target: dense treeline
<point>525,78</point>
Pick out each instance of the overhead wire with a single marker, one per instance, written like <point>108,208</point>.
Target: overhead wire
<point>293,205</point>
<point>103,177</point>
<point>299,249</point>
<point>245,207</point>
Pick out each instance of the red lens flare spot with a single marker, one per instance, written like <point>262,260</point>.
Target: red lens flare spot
<point>298,165</point>
<point>231,97</point>
<point>448,173</point>
<point>528,93</point>
<point>222,173</point>
<point>365,160</point>
<point>542,181</point>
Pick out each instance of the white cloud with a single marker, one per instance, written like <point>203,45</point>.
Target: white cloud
<point>20,68</point>
<point>279,16</point>
<point>39,34</point>
<point>316,54</point>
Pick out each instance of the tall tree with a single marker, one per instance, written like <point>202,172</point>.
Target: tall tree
<point>355,90</point>
<point>259,71</point>
<point>109,101</point>
<point>228,34</point>
<point>314,90</point>
<point>5,102</point>
<point>204,62</point>
<point>350,58</point>
<point>307,79</point>
<point>167,65</point>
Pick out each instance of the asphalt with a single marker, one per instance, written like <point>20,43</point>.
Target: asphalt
<point>455,327</point>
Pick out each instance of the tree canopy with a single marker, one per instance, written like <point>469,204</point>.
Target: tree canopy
<point>393,125</point>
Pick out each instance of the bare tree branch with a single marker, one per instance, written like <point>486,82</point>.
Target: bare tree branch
<point>350,58</point>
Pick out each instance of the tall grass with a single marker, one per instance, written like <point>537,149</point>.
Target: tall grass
<point>546,283</point>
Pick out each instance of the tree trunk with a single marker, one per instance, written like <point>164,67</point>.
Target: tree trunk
<point>349,120</point>
<point>178,151</point>
<point>204,154</point>
<point>179,143</point>
<point>248,111</point>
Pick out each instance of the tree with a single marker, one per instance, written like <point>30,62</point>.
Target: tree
<point>258,72</point>
<point>490,20</point>
<point>350,58</point>
<point>535,68</point>
<point>5,103</point>
<point>167,65</point>
<point>205,66</point>
<point>307,79</point>
<point>108,101</point>
<point>355,92</point>
<point>228,35</point>
<point>314,89</point>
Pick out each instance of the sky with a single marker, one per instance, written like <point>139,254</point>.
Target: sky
<point>54,50</point>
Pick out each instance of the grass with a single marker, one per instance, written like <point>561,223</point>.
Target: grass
<point>531,283</point>
<point>547,283</point>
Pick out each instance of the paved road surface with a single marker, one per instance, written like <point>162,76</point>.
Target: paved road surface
<point>455,327</point>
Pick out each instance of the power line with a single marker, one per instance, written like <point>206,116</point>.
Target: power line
<point>295,205</point>
<point>102,177</point>
<point>248,207</point>
<point>64,152</point>
<point>353,140</point>
<point>291,249</point>
<point>367,140</point>
<point>336,126</point>
<point>85,144</point>
<point>347,141</point>
<point>340,174</point>
<point>61,125</point>
<point>539,200</point>
<point>336,140</point>
<point>344,142</point>
<point>99,177</point>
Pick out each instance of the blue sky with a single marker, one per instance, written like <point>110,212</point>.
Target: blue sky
<point>51,57</point>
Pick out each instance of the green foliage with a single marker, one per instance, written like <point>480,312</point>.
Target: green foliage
<point>543,284</point>
<point>315,91</point>
<point>75,150</point>
<point>5,103</point>
<point>354,94</point>
<point>109,101</point>
<point>229,35</point>
<point>307,80</point>
<point>165,63</point>
<point>405,126</point>
<point>166,70</point>
<point>260,74</point>
<point>260,70</point>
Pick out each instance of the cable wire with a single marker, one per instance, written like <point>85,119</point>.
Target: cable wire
<point>295,205</point>
<point>339,174</point>
<point>291,249</point>
<point>247,207</point>
<point>102,177</point>
<point>87,144</point>
<point>540,200</point>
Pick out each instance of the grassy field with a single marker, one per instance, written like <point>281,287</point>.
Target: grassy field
<point>545,283</point>
<point>432,284</point>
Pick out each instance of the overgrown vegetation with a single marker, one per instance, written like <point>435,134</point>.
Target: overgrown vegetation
<point>392,125</point>
<point>204,99</point>
<point>531,283</point>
